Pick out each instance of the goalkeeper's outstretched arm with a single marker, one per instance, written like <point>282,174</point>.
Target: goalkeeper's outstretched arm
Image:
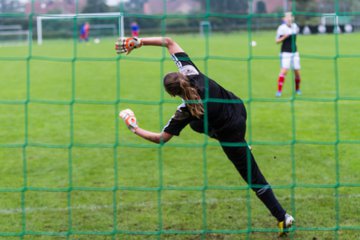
<point>130,120</point>
<point>169,43</point>
<point>162,137</point>
<point>126,45</point>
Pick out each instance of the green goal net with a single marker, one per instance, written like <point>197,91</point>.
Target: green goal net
<point>70,169</point>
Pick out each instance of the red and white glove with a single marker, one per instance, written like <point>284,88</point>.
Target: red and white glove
<point>129,118</point>
<point>126,45</point>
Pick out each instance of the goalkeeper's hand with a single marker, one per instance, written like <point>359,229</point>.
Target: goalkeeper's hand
<point>126,45</point>
<point>129,118</point>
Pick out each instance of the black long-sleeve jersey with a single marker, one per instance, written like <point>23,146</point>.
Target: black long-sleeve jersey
<point>224,111</point>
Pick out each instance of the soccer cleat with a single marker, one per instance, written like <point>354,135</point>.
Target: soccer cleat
<point>278,94</point>
<point>298,92</point>
<point>285,225</point>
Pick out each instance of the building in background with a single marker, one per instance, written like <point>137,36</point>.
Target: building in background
<point>56,6</point>
<point>266,6</point>
<point>183,6</point>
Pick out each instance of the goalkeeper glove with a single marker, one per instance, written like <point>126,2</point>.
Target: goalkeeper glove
<point>126,45</point>
<point>129,118</point>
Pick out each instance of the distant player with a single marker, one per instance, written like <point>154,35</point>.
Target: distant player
<point>84,32</point>
<point>223,117</point>
<point>289,56</point>
<point>135,29</point>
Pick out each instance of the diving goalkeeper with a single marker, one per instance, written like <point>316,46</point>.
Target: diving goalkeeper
<point>225,118</point>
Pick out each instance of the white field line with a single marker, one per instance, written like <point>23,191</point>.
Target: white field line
<point>153,204</point>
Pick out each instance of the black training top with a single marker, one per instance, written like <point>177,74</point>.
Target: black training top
<point>289,43</point>
<point>223,110</point>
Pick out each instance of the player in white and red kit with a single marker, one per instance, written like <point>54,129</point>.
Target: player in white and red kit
<point>289,56</point>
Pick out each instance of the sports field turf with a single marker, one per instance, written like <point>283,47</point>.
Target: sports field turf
<point>71,170</point>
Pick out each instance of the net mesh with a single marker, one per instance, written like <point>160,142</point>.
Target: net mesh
<point>72,171</point>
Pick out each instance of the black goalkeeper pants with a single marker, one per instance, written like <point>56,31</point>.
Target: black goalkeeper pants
<point>236,149</point>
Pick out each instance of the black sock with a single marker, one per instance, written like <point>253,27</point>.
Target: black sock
<point>266,195</point>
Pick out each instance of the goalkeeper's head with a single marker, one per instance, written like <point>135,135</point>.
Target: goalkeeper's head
<point>177,84</point>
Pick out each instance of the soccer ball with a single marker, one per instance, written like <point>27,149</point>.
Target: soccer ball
<point>96,40</point>
<point>253,43</point>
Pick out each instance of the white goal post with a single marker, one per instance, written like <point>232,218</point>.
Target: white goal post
<point>334,20</point>
<point>13,35</point>
<point>40,18</point>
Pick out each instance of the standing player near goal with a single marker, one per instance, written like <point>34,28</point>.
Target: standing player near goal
<point>84,32</point>
<point>135,29</point>
<point>226,119</point>
<point>289,56</point>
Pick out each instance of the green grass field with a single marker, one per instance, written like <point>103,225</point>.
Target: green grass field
<point>71,170</point>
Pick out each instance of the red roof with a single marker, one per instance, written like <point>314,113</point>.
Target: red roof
<point>183,6</point>
<point>56,6</point>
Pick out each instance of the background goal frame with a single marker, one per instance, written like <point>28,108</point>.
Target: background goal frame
<point>40,18</point>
